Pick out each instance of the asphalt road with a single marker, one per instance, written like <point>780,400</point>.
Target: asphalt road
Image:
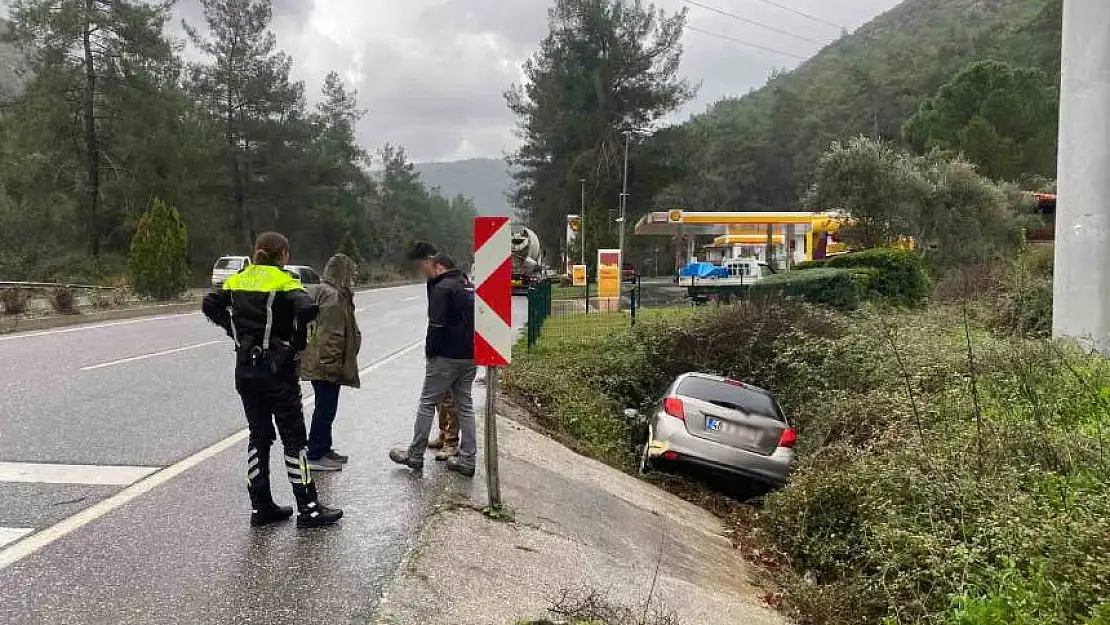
<point>122,460</point>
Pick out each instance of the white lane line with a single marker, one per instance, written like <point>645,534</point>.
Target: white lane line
<point>12,534</point>
<point>411,299</point>
<point>176,350</point>
<point>95,326</point>
<point>37,540</point>
<point>96,475</point>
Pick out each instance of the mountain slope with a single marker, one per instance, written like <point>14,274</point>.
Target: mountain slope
<point>484,180</point>
<point>757,151</point>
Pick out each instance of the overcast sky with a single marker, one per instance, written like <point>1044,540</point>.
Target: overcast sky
<point>431,73</point>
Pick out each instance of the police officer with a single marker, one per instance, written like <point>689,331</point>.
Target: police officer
<point>265,311</point>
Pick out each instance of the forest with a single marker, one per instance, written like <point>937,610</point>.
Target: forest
<point>102,116</point>
<point>946,76</point>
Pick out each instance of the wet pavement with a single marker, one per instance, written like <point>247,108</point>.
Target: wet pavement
<point>151,393</point>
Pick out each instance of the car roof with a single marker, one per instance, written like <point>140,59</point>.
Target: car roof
<point>721,379</point>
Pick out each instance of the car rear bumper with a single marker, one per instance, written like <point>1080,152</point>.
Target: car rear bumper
<point>670,435</point>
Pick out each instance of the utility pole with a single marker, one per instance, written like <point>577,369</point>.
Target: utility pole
<point>582,223</point>
<point>1081,284</point>
<point>624,196</point>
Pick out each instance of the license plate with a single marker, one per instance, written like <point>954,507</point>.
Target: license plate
<point>713,425</point>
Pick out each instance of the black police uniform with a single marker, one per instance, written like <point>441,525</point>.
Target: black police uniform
<point>266,312</point>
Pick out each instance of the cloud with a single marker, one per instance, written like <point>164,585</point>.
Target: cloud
<point>431,73</point>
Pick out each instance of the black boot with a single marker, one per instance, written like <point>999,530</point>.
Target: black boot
<point>263,509</point>
<point>312,513</point>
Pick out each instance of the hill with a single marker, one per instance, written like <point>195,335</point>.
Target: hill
<point>757,151</point>
<point>484,180</point>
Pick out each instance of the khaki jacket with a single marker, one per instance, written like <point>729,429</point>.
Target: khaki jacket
<point>334,340</point>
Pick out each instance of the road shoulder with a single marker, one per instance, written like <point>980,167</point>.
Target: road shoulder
<point>575,525</point>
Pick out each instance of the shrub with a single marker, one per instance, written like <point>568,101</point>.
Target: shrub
<point>899,276</point>
<point>63,300</point>
<point>14,301</point>
<point>158,265</point>
<point>838,288</point>
<point>1023,304</point>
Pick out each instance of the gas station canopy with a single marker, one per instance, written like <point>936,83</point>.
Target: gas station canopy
<point>673,222</point>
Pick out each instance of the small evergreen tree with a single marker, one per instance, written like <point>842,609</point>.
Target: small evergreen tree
<point>349,247</point>
<point>158,264</point>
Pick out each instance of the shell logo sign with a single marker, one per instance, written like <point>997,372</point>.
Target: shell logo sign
<point>674,216</point>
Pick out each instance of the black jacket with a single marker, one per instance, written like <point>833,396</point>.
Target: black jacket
<point>450,317</point>
<point>259,300</point>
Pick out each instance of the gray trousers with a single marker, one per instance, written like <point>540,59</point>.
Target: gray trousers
<point>443,376</point>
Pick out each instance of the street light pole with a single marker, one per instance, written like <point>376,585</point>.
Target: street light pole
<point>624,194</point>
<point>582,221</point>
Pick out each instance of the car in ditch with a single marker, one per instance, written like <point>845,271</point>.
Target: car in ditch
<point>720,425</point>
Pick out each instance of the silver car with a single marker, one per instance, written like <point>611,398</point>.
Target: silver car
<point>721,425</point>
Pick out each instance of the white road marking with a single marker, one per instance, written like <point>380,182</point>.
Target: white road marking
<point>97,475</point>
<point>411,299</point>
<point>176,350</point>
<point>12,534</point>
<point>95,326</point>
<point>37,540</point>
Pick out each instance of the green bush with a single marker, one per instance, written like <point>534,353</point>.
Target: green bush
<point>839,288</point>
<point>158,264</point>
<point>899,276</point>
<point>930,488</point>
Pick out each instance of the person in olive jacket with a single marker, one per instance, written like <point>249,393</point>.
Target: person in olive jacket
<point>331,359</point>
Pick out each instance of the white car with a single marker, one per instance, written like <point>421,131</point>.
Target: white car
<point>228,266</point>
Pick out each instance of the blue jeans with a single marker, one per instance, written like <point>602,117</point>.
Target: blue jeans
<point>443,376</point>
<point>327,403</point>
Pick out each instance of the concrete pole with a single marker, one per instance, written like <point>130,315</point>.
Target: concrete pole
<point>582,222</point>
<point>624,197</point>
<point>1081,295</point>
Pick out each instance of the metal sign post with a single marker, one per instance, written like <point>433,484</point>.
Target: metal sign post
<point>493,327</point>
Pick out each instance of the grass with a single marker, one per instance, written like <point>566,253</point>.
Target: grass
<point>947,475</point>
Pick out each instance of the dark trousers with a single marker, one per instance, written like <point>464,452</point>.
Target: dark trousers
<point>323,415</point>
<point>269,401</point>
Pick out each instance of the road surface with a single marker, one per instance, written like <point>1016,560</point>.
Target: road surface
<point>122,498</point>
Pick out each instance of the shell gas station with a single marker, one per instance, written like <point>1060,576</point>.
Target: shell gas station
<point>802,235</point>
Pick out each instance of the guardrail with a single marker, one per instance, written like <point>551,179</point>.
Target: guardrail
<point>53,285</point>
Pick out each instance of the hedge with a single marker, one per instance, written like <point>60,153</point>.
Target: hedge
<point>843,289</point>
<point>899,277</point>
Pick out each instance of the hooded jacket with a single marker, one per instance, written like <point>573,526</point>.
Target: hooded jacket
<point>334,340</point>
<point>450,317</point>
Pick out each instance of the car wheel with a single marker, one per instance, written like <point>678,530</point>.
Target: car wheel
<point>645,459</point>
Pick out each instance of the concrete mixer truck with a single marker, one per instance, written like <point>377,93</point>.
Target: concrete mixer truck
<point>527,260</point>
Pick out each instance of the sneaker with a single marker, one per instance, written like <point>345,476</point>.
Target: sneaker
<point>336,456</point>
<point>319,516</point>
<point>456,465</point>
<point>270,514</point>
<point>436,443</point>
<point>325,464</point>
<point>447,452</point>
<point>400,455</point>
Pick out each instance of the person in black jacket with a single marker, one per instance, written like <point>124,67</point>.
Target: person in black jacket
<point>266,312</point>
<point>449,349</point>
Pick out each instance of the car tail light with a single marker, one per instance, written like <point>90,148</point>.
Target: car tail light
<point>670,455</point>
<point>736,383</point>
<point>673,406</point>
<point>789,438</point>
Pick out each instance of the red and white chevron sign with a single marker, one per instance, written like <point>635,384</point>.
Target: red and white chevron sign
<point>493,301</point>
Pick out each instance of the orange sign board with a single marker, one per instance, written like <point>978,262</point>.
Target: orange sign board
<point>608,273</point>
<point>578,275</point>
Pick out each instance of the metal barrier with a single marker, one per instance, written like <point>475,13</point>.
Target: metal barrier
<point>546,300</point>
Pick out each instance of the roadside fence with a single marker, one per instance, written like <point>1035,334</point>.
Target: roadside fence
<point>580,308</point>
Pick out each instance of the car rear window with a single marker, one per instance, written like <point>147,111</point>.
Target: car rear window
<point>730,396</point>
<point>230,263</point>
